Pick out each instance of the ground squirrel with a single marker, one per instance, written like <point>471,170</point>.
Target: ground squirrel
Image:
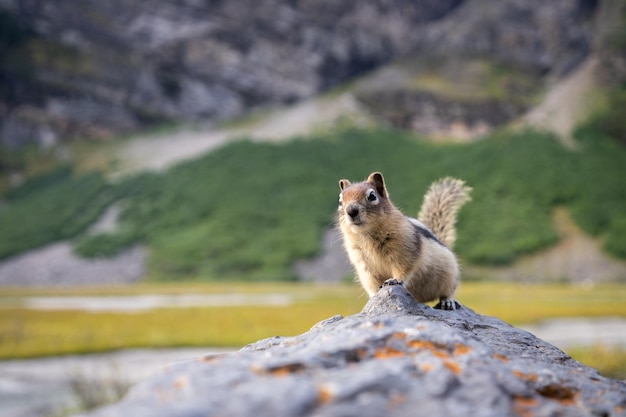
<point>382,243</point>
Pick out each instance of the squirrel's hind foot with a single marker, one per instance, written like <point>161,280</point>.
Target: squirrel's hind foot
<point>448,304</point>
<point>390,282</point>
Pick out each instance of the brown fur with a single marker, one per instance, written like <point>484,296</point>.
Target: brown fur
<point>383,243</point>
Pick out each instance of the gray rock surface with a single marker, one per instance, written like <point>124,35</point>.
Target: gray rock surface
<point>396,358</point>
<point>102,68</point>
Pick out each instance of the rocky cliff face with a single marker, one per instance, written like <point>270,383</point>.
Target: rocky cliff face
<point>95,68</point>
<point>396,358</point>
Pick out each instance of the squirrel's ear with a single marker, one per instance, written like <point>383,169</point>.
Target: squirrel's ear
<point>376,178</point>
<point>343,184</point>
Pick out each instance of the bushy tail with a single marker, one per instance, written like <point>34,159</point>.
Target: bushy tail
<point>441,205</point>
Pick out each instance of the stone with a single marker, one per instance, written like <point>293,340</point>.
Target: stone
<point>115,66</point>
<point>396,357</point>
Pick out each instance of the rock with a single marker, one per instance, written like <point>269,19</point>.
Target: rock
<point>118,65</point>
<point>396,358</point>
<point>437,116</point>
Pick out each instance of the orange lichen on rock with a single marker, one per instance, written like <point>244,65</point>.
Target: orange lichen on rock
<point>564,395</point>
<point>441,351</point>
<point>454,367</point>
<point>526,377</point>
<point>426,367</point>
<point>500,357</point>
<point>282,370</point>
<point>387,352</point>
<point>288,369</point>
<point>399,335</point>
<point>437,350</point>
<point>523,406</point>
<point>460,349</point>
<point>324,395</point>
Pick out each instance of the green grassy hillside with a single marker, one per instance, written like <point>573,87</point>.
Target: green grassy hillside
<point>248,210</point>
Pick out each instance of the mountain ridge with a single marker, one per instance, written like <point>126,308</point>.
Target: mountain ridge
<point>99,70</point>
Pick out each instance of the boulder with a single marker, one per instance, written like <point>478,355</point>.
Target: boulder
<point>396,357</point>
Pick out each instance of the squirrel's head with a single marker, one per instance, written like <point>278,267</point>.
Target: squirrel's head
<point>361,204</point>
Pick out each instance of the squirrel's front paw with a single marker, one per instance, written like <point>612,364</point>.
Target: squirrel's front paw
<point>390,282</point>
<point>448,304</point>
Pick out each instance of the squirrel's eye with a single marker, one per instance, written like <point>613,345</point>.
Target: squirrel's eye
<point>372,196</point>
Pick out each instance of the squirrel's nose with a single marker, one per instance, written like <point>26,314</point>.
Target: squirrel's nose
<point>352,210</point>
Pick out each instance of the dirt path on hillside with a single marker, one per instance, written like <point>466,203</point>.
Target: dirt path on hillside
<point>566,103</point>
<point>159,152</point>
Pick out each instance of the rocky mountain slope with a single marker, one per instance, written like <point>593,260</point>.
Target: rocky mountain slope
<point>96,69</point>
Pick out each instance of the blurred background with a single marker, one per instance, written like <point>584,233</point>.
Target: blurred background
<point>168,173</point>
